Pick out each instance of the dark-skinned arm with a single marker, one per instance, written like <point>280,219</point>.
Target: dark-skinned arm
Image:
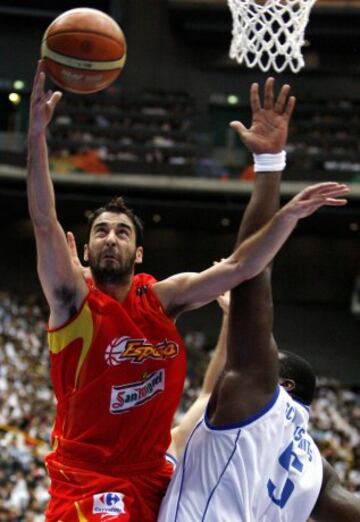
<point>335,503</point>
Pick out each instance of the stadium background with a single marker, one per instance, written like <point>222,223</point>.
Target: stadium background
<point>176,163</point>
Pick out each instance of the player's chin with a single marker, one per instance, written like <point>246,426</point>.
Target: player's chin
<point>108,262</point>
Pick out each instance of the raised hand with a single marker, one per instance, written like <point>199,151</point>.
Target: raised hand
<point>42,103</point>
<point>270,121</point>
<point>85,271</point>
<point>314,197</point>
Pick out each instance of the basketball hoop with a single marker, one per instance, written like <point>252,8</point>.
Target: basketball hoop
<point>269,33</point>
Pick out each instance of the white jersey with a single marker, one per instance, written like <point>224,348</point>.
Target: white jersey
<point>265,469</point>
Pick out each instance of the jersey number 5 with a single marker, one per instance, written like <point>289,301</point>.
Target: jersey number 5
<point>287,460</point>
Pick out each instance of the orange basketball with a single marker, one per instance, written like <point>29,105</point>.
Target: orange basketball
<point>84,50</point>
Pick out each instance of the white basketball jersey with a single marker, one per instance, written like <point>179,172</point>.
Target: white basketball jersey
<point>265,469</point>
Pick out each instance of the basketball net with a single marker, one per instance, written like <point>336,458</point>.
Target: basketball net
<point>269,33</point>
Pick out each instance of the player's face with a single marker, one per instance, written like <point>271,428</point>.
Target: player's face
<point>112,251</point>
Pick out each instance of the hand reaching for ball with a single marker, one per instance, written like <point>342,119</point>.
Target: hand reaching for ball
<point>42,103</point>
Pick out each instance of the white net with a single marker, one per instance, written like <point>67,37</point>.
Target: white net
<point>269,33</point>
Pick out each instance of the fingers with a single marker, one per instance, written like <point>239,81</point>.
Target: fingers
<point>290,106</point>
<point>37,86</point>
<point>340,190</point>
<point>54,99</point>
<point>336,202</point>
<point>322,194</point>
<point>72,244</point>
<point>282,99</point>
<point>269,93</point>
<point>57,96</point>
<point>320,201</point>
<point>283,104</point>
<point>311,206</point>
<point>238,126</point>
<point>327,189</point>
<point>39,69</point>
<point>255,98</point>
<point>38,92</point>
<point>48,95</point>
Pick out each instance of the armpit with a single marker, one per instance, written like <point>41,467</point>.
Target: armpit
<point>66,298</point>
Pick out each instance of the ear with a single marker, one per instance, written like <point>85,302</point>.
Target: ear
<point>139,255</point>
<point>86,253</point>
<point>288,384</point>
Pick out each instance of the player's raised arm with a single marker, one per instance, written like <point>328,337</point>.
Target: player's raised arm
<point>63,286</point>
<point>190,290</point>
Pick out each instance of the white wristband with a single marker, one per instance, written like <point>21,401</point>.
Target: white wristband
<point>270,162</point>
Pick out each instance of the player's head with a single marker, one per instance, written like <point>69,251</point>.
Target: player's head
<point>117,206</point>
<point>297,377</point>
<point>115,240</point>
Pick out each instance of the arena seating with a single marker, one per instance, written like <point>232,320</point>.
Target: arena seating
<point>150,135</point>
<point>158,134</point>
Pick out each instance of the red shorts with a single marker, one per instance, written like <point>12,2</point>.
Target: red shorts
<point>80,495</point>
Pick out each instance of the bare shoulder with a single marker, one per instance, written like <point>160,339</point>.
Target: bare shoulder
<point>237,398</point>
<point>335,503</point>
<point>190,290</point>
<point>170,292</point>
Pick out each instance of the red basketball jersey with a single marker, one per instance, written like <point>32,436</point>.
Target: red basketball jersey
<point>118,372</point>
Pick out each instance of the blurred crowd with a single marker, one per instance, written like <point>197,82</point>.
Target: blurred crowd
<point>27,408</point>
<point>159,133</point>
<point>107,132</point>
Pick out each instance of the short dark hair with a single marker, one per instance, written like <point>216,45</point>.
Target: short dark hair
<point>117,206</point>
<point>292,366</point>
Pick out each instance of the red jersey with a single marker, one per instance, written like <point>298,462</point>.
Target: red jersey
<point>118,372</point>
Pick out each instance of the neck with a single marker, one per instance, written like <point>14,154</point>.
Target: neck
<point>117,291</point>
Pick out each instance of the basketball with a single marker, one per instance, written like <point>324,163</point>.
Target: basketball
<point>84,50</point>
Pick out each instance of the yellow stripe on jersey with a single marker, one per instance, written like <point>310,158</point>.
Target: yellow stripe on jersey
<point>80,514</point>
<point>81,327</point>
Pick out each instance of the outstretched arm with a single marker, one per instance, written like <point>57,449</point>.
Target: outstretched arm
<point>335,503</point>
<point>190,290</point>
<point>63,287</point>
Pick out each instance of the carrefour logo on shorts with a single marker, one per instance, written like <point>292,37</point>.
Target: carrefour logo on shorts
<point>126,397</point>
<point>138,350</point>
<point>110,503</point>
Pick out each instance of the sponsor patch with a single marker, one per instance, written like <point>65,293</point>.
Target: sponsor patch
<point>138,350</point>
<point>109,503</point>
<point>126,397</point>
